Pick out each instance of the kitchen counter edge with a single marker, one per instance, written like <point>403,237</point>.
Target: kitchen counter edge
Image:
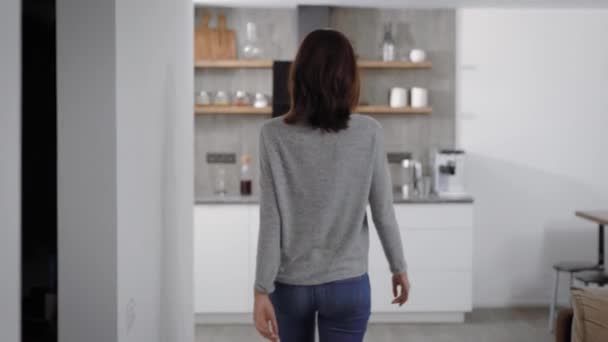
<point>214,200</point>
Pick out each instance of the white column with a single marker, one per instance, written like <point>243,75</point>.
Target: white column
<point>154,78</point>
<point>125,170</point>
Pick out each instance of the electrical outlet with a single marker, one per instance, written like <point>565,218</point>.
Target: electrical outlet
<point>221,158</point>
<point>131,314</point>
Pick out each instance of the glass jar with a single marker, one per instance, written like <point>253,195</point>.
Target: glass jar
<point>221,98</point>
<point>241,98</point>
<point>202,98</point>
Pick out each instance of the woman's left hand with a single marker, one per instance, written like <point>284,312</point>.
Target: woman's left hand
<point>264,317</point>
<point>401,288</point>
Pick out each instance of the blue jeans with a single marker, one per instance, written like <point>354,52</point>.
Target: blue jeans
<point>342,308</point>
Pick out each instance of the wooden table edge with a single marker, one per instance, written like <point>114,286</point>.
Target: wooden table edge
<point>599,217</point>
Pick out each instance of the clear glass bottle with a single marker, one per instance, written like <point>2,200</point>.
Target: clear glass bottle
<point>220,182</point>
<point>388,43</point>
<point>246,179</point>
<point>252,48</point>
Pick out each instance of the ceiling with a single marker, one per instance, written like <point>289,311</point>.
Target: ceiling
<point>411,3</point>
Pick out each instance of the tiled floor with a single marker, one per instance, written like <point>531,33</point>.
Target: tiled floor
<point>491,325</point>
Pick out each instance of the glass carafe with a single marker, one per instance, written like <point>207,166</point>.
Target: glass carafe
<point>252,48</point>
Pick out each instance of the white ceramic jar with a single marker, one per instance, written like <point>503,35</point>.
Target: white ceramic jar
<point>419,97</point>
<point>398,97</point>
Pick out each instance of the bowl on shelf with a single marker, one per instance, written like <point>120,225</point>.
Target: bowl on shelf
<point>417,56</point>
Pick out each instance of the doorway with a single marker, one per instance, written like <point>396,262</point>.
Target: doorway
<point>38,172</point>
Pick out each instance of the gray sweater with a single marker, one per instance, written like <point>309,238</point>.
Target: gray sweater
<point>315,187</point>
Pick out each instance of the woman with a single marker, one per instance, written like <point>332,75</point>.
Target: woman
<point>320,166</point>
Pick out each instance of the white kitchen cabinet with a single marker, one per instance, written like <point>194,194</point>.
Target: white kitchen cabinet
<point>221,259</point>
<point>437,240</point>
<point>437,243</point>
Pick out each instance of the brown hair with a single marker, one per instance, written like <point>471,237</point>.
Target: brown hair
<point>323,81</point>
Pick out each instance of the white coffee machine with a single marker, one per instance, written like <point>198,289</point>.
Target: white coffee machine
<point>448,173</point>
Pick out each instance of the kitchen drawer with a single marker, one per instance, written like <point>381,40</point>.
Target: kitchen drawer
<point>434,216</point>
<point>446,250</point>
<point>435,249</point>
<point>221,216</point>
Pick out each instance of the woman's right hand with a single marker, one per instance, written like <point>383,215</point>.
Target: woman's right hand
<point>264,317</point>
<point>401,288</point>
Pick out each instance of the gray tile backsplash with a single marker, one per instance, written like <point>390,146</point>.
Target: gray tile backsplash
<point>430,29</point>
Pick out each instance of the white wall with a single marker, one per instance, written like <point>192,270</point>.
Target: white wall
<point>10,170</point>
<point>533,119</point>
<point>154,152</point>
<point>125,170</point>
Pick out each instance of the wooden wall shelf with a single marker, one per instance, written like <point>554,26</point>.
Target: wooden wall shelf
<point>377,109</point>
<point>231,110</point>
<point>234,64</point>
<point>367,64</point>
<point>268,110</point>
<point>267,64</point>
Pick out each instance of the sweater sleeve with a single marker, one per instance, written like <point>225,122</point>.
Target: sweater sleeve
<point>269,240</point>
<point>383,212</point>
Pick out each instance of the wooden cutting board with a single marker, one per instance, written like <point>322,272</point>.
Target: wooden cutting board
<point>224,44</point>
<point>203,38</point>
<point>214,43</point>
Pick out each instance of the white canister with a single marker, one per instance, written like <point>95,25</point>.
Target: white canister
<point>398,97</point>
<point>417,55</point>
<point>419,97</point>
